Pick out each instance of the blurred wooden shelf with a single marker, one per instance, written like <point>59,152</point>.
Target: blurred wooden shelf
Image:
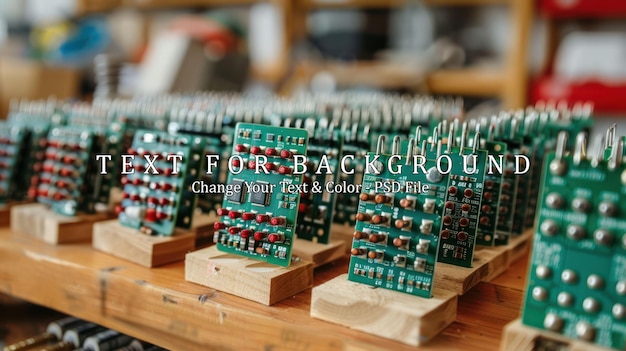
<point>329,4</point>
<point>471,81</point>
<point>159,306</point>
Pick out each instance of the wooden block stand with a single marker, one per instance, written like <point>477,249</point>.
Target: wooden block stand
<point>149,251</point>
<point>5,212</point>
<point>319,254</point>
<point>253,280</point>
<point>38,221</point>
<point>488,263</point>
<point>389,314</point>
<point>519,337</point>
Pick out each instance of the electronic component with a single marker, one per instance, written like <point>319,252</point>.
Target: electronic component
<point>13,140</point>
<point>398,221</point>
<point>317,203</point>
<point>463,200</point>
<point>157,194</point>
<point>63,181</point>
<point>259,215</point>
<point>492,189</point>
<point>577,280</point>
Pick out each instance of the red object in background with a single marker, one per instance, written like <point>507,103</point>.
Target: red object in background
<point>606,97</point>
<point>583,8</point>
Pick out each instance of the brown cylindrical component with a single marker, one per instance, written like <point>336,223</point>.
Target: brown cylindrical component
<point>381,199</point>
<point>357,252</point>
<point>463,222</point>
<point>399,223</point>
<point>378,219</point>
<point>404,203</point>
<point>447,220</point>
<point>358,235</point>
<point>364,197</point>
<point>371,254</point>
<point>397,242</point>
<point>466,207</point>
<point>362,217</point>
<point>375,238</point>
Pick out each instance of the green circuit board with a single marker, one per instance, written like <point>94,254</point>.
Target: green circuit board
<point>259,213</point>
<point>63,183</point>
<point>486,231</point>
<point>13,143</point>
<point>396,235</point>
<point>577,277</point>
<point>157,182</point>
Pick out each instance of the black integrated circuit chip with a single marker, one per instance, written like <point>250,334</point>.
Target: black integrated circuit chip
<point>239,191</point>
<point>259,195</point>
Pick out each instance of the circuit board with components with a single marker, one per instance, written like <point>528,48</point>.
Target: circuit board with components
<point>396,235</point>
<point>157,195</point>
<point>63,181</point>
<point>315,212</point>
<point>13,142</point>
<point>577,277</point>
<point>486,231</point>
<point>462,207</point>
<point>260,211</point>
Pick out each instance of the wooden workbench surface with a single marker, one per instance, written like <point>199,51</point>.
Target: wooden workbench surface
<point>159,306</point>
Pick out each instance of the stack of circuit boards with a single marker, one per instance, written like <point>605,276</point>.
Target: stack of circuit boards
<point>577,275</point>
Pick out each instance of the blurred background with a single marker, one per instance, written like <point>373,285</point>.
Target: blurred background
<point>495,53</point>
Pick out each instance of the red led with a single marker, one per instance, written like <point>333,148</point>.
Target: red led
<point>164,201</point>
<point>463,222</point>
<point>262,218</point>
<point>124,180</point>
<point>45,180</point>
<point>251,164</point>
<point>450,205</point>
<point>277,221</point>
<point>132,151</point>
<point>236,162</point>
<point>234,214</point>
<point>466,207</point>
<point>445,234</point>
<point>152,200</point>
<point>285,154</point>
<point>168,171</point>
<point>65,172</point>
<point>447,220</point>
<point>125,195</point>
<point>162,216</point>
<point>245,234</point>
<point>58,196</point>
<point>137,181</point>
<point>270,151</point>
<point>42,192</point>
<point>462,236</point>
<point>255,150</point>
<point>468,193</point>
<point>240,148</point>
<point>219,225</point>
<point>52,143</point>
<point>77,147</point>
<point>166,186</point>
<point>151,215</point>
<point>248,216</point>
<point>61,184</point>
<point>234,230</point>
<point>302,207</point>
<point>273,238</point>
<point>135,197</point>
<point>139,168</point>
<point>68,159</point>
<point>284,170</point>
<point>37,167</point>
<point>452,190</point>
<point>51,155</point>
<point>49,168</point>
<point>259,236</point>
<point>222,212</point>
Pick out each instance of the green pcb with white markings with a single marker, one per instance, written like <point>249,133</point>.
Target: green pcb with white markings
<point>259,213</point>
<point>157,189</point>
<point>577,276</point>
<point>397,230</point>
<point>463,205</point>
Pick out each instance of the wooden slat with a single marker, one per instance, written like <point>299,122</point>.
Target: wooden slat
<point>318,4</point>
<point>158,306</point>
